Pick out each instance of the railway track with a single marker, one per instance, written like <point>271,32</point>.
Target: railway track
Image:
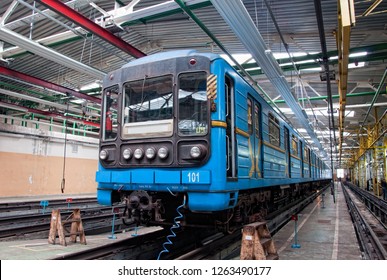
<point>35,224</point>
<point>368,214</point>
<point>227,247</point>
<point>189,243</point>
<point>141,247</point>
<point>12,207</point>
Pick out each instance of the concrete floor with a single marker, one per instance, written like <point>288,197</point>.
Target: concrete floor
<point>324,232</point>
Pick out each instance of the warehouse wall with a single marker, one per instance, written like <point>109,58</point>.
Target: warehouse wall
<point>32,160</point>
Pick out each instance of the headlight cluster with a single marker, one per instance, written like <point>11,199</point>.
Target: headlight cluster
<point>187,152</point>
<point>150,153</point>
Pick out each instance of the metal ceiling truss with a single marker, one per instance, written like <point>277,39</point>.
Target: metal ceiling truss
<point>237,17</point>
<point>48,114</point>
<point>34,47</point>
<point>120,16</point>
<point>45,84</point>
<point>46,102</point>
<point>92,27</point>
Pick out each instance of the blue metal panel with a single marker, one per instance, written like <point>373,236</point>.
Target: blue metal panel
<point>244,159</point>
<point>121,177</point>
<point>103,176</point>
<point>196,177</point>
<point>211,201</point>
<point>295,168</point>
<point>143,177</point>
<point>104,197</point>
<point>274,163</point>
<point>167,177</point>
<point>241,107</point>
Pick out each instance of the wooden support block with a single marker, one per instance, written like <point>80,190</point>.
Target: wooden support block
<point>77,227</point>
<point>57,227</point>
<point>257,243</point>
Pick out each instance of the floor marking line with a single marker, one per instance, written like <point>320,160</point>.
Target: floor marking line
<point>336,236</point>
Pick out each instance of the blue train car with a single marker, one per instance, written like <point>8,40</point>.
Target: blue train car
<point>184,129</point>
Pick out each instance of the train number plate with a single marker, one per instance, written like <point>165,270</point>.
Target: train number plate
<point>196,177</point>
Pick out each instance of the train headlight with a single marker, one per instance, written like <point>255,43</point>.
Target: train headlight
<point>103,154</point>
<point>162,153</point>
<point>127,154</point>
<point>196,152</point>
<point>138,153</point>
<point>150,153</point>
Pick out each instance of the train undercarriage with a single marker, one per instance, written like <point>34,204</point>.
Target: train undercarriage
<point>166,209</point>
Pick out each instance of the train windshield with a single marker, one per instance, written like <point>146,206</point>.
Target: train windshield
<point>193,104</point>
<point>148,107</point>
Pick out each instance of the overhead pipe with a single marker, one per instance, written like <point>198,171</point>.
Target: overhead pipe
<point>377,48</point>
<point>336,96</point>
<point>47,114</point>
<point>36,48</point>
<point>187,10</point>
<point>237,17</point>
<point>44,96</point>
<point>92,27</point>
<point>305,66</point>
<point>45,84</point>
<point>44,102</point>
<point>11,8</point>
<point>320,24</point>
<point>346,18</point>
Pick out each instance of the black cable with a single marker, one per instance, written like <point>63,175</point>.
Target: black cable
<point>63,183</point>
<point>320,23</point>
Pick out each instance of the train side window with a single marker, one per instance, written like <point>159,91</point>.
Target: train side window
<point>306,155</point>
<point>294,145</point>
<point>231,142</point>
<point>274,130</point>
<point>110,125</point>
<point>249,116</point>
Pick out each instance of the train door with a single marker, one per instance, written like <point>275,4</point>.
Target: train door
<point>307,172</point>
<point>258,139</point>
<point>302,158</point>
<point>287,152</point>
<point>232,169</point>
<point>254,122</point>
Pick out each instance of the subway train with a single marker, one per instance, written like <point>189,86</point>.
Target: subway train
<point>183,135</point>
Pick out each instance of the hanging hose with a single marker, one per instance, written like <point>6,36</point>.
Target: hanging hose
<point>63,183</point>
<point>176,225</point>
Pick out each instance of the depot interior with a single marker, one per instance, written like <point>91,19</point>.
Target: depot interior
<point>331,55</point>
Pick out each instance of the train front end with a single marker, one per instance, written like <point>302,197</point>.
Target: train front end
<point>155,149</point>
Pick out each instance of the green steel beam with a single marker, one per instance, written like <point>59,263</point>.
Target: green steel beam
<point>38,94</point>
<point>367,58</point>
<point>318,56</point>
<point>334,96</point>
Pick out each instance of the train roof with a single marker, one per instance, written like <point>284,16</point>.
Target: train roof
<point>168,55</point>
